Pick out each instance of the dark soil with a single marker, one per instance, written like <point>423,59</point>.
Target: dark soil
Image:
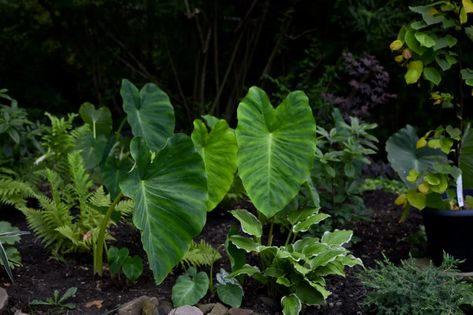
<point>41,275</point>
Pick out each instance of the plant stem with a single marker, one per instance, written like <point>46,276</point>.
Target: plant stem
<point>270,234</point>
<point>289,235</point>
<point>211,279</point>
<point>100,241</point>
<point>119,131</point>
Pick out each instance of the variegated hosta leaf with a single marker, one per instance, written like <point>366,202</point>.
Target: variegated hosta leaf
<point>291,305</point>
<point>219,152</point>
<point>170,203</point>
<point>276,148</point>
<point>150,113</point>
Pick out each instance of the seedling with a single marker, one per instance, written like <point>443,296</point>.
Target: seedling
<point>57,301</point>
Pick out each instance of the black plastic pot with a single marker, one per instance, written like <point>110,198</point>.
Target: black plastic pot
<point>452,232</point>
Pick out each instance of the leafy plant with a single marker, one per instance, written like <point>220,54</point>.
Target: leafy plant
<point>413,289</point>
<point>229,290</point>
<point>60,230</point>
<point>389,185</point>
<point>9,255</point>
<point>120,261</point>
<point>200,254</point>
<point>276,154</point>
<point>167,183</point>
<point>58,301</point>
<point>18,135</point>
<point>296,270</point>
<point>341,154</point>
<point>190,288</point>
<point>368,84</point>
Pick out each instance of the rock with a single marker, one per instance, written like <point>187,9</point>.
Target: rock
<point>219,309</point>
<point>164,307</point>
<point>19,312</point>
<point>205,308</point>
<point>240,311</point>
<point>186,310</point>
<point>3,300</point>
<point>141,305</point>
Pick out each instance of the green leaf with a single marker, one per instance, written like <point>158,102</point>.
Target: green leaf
<point>431,74</point>
<point>230,294</point>
<point>305,225</point>
<point>170,203</point>
<point>219,152</point>
<point>92,149</point>
<point>414,71</point>
<point>244,243</point>
<point>249,223</point>
<point>291,305</point>
<point>276,148</point>
<point>467,74</point>
<point>190,288</point>
<point>150,113</point>
<point>416,199</point>
<point>236,255</point>
<point>132,267</point>
<point>337,237</point>
<point>466,158</point>
<point>424,39</point>
<point>67,295</point>
<point>112,171</point>
<point>246,270</point>
<point>413,43</point>
<point>99,120</point>
<point>469,32</point>
<point>116,259</point>
<point>403,155</point>
<point>309,295</point>
<point>6,265</point>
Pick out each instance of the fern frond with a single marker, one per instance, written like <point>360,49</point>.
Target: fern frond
<point>14,192</point>
<point>201,254</point>
<point>81,182</point>
<point>125,207</point>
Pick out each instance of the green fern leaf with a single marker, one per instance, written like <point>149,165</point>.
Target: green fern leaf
<point>201,254</point>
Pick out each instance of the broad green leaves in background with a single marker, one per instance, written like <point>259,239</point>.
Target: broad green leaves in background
<point>170,203</point>
<point>190,288</point>
<point>218,149</point>
<point>249,223</point>
<point>150,113</point>
<point>276,148</point>
<point>403,155</point>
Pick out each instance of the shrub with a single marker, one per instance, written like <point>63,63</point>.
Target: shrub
<point>411,289</point>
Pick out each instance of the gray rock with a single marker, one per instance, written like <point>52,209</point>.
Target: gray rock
<point>3,300</point>
<point>186,310</point>
<point>19,312</point>
<point>219,309</point>
<point>240,311</point>
<point>141,305</point>
<point>205,308</point>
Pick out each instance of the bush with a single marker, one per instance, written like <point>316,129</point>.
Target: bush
<point>411,289</point>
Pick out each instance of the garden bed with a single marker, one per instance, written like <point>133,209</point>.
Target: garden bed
<point>40,274</point>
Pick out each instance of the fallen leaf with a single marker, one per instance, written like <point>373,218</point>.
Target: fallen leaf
<point>96,303</point>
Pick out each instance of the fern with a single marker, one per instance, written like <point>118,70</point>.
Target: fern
<point>61,231</point>
<point>200,254</point>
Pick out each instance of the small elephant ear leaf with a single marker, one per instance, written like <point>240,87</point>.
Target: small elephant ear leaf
<point>150,113</point>
<point>170,199</point>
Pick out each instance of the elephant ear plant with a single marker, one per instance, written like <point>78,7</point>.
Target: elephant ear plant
<point>276,150</point>
<point>167,182</point>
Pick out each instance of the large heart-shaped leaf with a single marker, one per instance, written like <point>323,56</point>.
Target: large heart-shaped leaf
<point>100,120</point>
<point>403,155</point>
<point>276,148</point>
<point>466,159</point>
<point>92,148</point>
<point>112,171</point>
<point>170,203</point>
<point>219,152</point>
<point>150,113</point>
<point>190,288</point>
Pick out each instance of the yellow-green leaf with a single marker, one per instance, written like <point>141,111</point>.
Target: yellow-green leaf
<point>396,45</point>
<point>414,71</point>
<point>416,199</point>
